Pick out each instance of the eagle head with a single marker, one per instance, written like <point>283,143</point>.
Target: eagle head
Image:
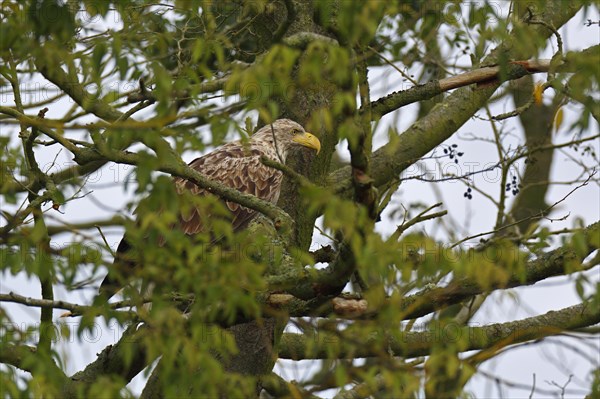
<point>284,134</point>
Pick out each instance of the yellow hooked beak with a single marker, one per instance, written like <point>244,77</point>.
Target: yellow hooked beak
<point>308,140</point>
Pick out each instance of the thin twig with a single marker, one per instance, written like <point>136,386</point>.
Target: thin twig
<point>74,308</point>
<point>105,242</point>
<point>421,217</point>
<point>297,177</point>
<point>390,63</point>
<point>534,217</point>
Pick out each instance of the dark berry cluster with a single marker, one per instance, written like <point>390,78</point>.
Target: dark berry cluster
<point>468,194</point>
<point>587,150</point>
<point>513,186</point>
<point>452,153</point>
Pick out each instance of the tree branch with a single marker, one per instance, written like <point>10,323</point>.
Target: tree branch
<point>430,299</point>
<point>74,308</point>
<point>125,359</point>
<point>553,263</point>
<point>48,63</point>
<point>76,227</point>
<point>440,124</point>
<point>27,358</point>
<point>413,344</point>
<point>15,356</point>
<point>399,99</point>
<point>176,167</point>
<point>280,388</point>
<point>421,217</point>
<point>537,125</point>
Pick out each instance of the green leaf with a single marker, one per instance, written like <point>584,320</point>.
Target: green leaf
<point>52,18</point>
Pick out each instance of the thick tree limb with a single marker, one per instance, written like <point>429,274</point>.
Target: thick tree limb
<point>124,359</point>
<point>280,388</point>
<point>14,355</point>
<point>553,263</point>
<point>316,302</point>
<point>537,124</point>
<point>448,116</point>
<point>414,344</point>
<point>426,91</point>
<point>29,359</point>
<point>303,39</point>
<point>111,359</point>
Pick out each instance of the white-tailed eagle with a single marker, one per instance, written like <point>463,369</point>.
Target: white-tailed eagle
<point>237,165</point>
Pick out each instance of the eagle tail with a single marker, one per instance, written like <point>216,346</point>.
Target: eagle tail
<point>111,285</point>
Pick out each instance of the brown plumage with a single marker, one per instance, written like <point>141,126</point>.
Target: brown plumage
<point>237,165</point>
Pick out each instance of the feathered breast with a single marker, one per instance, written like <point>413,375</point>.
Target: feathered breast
<point>237,166</point>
